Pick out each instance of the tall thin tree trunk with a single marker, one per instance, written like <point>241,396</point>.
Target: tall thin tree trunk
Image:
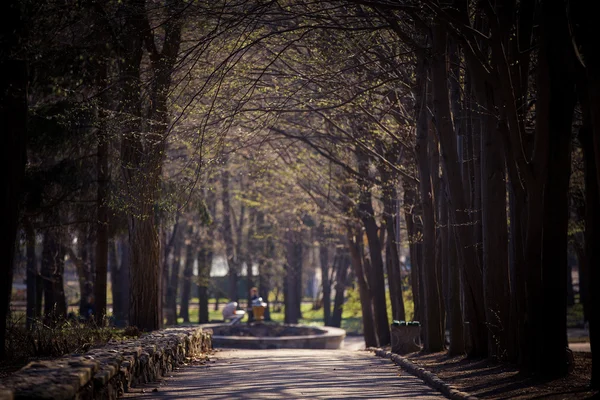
<point>232,257</point>
<point>13,119</point>
<point>377,281</point>
<point>366,306</point>
<point>188,274</point>
<point>341,278</point>
<point>32,276</point>
<point>324,263</point>
<point>414,250</point>
<point>173,279</point>
<point>434,335</point>
<point>293,273</point>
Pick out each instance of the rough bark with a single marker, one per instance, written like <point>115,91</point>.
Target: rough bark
<point>142,155</point>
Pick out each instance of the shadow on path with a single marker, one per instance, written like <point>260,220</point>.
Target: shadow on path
<point>290,374</point>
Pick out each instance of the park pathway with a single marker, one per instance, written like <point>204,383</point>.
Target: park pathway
<point>289,374</point>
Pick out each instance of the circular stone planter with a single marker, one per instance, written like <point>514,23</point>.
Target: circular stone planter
<point>292,337</point>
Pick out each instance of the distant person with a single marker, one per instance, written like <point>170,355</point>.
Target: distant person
<point>230,312</point>
<point>256,311</point>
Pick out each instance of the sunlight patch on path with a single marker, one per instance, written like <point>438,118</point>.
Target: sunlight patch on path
<point>290,374</point>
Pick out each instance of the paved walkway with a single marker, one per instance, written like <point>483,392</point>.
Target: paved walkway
<point>290,374</point>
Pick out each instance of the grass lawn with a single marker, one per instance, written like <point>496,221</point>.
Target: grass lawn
<point>350,322</point>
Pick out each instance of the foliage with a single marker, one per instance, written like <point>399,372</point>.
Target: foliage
<point>57,338</point>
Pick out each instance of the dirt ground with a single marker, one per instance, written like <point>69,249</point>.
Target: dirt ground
<point>487,379</point>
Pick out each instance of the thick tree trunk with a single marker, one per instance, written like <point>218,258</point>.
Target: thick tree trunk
<point>592,216</point>
<point>467,253</point>
<point>142,160</point>
<point>496,276</point>
<point>13,123</point>
<point>586,27</point>
<point>556,44</point>
<point>366,306</point>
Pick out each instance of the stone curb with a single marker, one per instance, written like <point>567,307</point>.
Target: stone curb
<point>109,371</point>
<point>428,377</point>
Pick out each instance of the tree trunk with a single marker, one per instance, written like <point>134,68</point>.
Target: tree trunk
<point>32,276</point>
<point>324,262</point>
<point>341,278</point>
<point>392,246</point>
<point>173,279</point>
<point>414,250</point>
<point>434,334</point>
<point>377,281</point>
<point>366,306</point>
<point>188,275</point>
<point>467,253</point>
<point>586,27</point>
<point>556,44</point>
<point>205,256</point>
<point>496,276</point>
<point>455,315</point>
<point>293,274</point>
<point>13,120</point>
<point>142,160</point>
<point>101,232</point>
<point>232,257</point>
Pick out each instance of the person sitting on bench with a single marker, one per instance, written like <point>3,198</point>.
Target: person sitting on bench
<point>230,312</point>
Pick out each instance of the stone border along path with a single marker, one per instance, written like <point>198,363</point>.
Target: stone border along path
<point>428,377</point>
<point>109,371</point>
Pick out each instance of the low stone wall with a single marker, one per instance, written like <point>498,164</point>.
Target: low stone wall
<point>107,372</point>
